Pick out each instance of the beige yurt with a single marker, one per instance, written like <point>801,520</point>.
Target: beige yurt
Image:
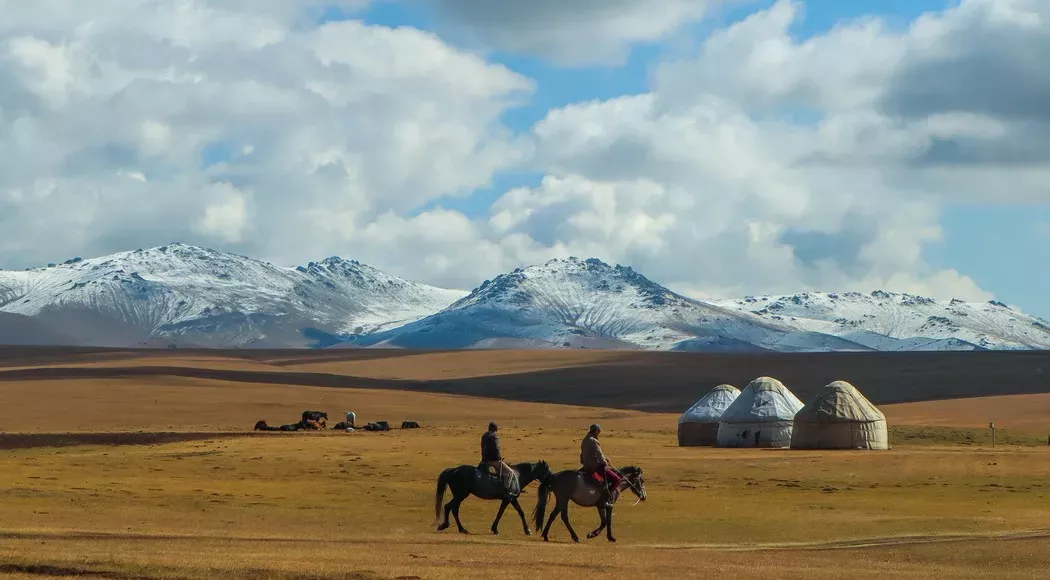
<point>840,417</point>
<point>698,425</point>
<point>761,416</point>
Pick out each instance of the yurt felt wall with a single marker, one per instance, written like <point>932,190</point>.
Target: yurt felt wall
<point>698,425</point>
<point>762,416</point>
<point>840,417</point>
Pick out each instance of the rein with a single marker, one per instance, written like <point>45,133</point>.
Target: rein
<point>631,485</point>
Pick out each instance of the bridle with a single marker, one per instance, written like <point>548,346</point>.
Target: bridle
<point>637,492</point>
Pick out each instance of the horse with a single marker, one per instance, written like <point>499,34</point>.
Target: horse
<point>315,419</point>
<point>467,480</point>
<point>572,484</point>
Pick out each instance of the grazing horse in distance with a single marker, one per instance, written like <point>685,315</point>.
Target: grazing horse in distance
<point>467,480</point>
<point>574,485</point>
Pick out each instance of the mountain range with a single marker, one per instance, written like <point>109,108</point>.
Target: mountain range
<point>186,296</point>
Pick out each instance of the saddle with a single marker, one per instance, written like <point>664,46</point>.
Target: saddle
<point>595,476</point>
<point>491,473</point>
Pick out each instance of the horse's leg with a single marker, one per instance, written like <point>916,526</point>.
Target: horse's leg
<point>448,509</point>
<point>455,512</point>
<point>601,516</point>
<point>550,521</point>
<point>565,519</point>
<point>521,512</point>
<point>499,516</point>
<point>608,520</point>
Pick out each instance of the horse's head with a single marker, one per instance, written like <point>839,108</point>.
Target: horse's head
<point>534,471</point>
<point>636,482</point>
<point>543,471</point>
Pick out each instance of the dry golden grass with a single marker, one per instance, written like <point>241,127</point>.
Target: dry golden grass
<point>332,505</point>
<point>1022,412</point>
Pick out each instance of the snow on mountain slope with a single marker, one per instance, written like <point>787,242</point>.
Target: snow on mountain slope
<point>205,297</point>
<point>589,303</point>
<point>193,296</point>
<point>888,321</point>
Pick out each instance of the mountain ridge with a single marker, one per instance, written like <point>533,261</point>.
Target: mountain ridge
<point>184,295</point>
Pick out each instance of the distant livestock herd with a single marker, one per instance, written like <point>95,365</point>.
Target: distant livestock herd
<point>767,414</point>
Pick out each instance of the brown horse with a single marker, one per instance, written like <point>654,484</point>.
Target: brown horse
<point>583,491</point>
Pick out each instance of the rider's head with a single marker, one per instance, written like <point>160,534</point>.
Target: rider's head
<point>595,429</point>
<point>493,427</point>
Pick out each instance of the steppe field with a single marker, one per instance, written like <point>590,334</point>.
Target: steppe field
<point>133,464</point>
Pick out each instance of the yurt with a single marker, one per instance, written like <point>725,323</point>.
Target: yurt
<point>840,417</point>
<point>761,416</point>
<point>698,425</point>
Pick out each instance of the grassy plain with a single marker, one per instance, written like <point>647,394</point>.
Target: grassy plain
<point>160,477</point>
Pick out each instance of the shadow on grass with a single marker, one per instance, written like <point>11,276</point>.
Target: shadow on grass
<point>36,440</point>
<point>101,571</point>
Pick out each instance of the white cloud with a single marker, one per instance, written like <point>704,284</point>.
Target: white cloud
<point>580,32</point>
<point>127,113</point>
<point>226,215</point>
<point>760,163</point>
<point>784,164</point>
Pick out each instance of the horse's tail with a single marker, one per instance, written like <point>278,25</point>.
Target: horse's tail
<point>541,501</point>
<point>439,495</point>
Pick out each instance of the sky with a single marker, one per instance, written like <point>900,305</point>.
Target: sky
<point>721,148</point>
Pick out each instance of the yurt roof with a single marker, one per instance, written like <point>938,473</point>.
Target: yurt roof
<point>710,407</point>
<point>763,399</point>
<point>840,402</point>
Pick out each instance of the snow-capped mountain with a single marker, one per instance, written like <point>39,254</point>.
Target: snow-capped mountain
<point>588,303</point>
<point>188,295</point>
<point>889,321</point>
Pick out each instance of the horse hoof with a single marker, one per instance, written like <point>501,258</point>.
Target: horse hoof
<point>546,539</point>
<point>442,527</point>
<point>591,536</point>
<point>577,540</point>
<point>528,532</point>
<point>464,532</point>
<point>612,539</point>
<point>495,532</point>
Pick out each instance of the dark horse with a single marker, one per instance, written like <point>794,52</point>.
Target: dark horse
<point>467,480</point>
<point>583,491</point>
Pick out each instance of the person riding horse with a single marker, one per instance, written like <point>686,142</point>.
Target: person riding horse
<point>492,458</point>
<point>594,461</point>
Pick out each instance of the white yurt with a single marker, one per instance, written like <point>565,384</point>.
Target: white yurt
<point>760,417</point>
<point>840,417</point>
<point>698,425</point>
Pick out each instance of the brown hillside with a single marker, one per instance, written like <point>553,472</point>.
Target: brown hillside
<point>653,381</point>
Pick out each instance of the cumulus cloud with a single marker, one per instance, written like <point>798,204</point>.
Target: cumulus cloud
<point>580,32</point>
<point>122,118</point>
<point>226,216</point>
<point>768,163</point>
<point>760,163</point>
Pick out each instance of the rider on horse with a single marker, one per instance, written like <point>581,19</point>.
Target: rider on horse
<point>595,462</point>
<point>492,458</point>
